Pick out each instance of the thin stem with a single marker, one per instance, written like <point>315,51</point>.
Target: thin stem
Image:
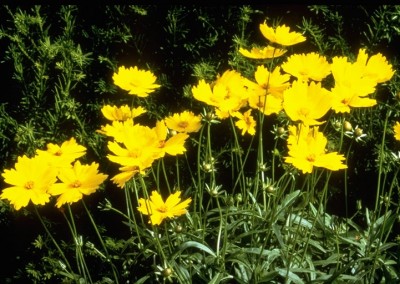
<point>53,240</point>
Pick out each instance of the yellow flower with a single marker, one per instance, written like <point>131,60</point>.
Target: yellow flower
<point>267,104</point>
<point>139,147</point>
<point>268,97</point>
<point>230,92</point>
<point>30,181</point>
<point>306,102</point>
<point>77,181</point>
<point>174,145</point>
<point>117,129</point>
<point>121,113</point>
<point>246,122</point>
<point>307,150</point>
<point>307,66</point>
<point>137,82</point>
<point>351,75</point>
<point>160,210</point>
<point>64,155</point>
<point>345,97</point>
<point>125,175</point>
<point>273,82</point>
<point>184,122</point>
<point>351,85</point>
<point>396,130</point>
<point>376,68</point>
<point>281,35</point>
<point>264,53</point>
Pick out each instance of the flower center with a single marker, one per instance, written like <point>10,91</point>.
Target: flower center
<point>345,101</point>
<point>162,209</point>
<point>29,184</point>
<point>304,111</point>
<point>58,153</point>
<point>183,124</point>
<point>76,184</point>
<point>311,158</point>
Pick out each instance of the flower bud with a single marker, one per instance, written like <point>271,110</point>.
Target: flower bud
<point>347,126</point>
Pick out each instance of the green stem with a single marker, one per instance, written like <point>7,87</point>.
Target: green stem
<point>102,242</point>
<point>53,240</point>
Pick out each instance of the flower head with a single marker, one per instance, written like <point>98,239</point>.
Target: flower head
<point>375,68</point>
<point>64,155</point>
<point>138,82</point>
<point>77,181</point>
<point>264,53</point>
<point>281,35</point>
<point>246,122</point>
<point>160,210</point>
<point>307,66</point>
<point>30,181</point>
<point>396,129</point>
<point>307,150</point>
<point>306,102</point>
<point>122,113</point>
<point>273,82</point>
<point>184,122</point>
<point>174,145</point>
<point>229,93</point>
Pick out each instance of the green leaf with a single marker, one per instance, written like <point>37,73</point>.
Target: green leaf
<point>197,245</point>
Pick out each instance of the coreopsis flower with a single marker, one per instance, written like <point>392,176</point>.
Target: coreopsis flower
<point>30,181</point>
<point>267,104</point>
<point>262,53</point>
<point>344,98</point>
<point>352,76</point>
<point>117,129</point>
<point>125,175</point>
<point>138,82</point>
<point>174,145</point>
<point>273,82</point>
<point>185,121</point>
<point>307,150</point>
<point>246,122</point>
<point>160,210</point>
<point>396,129</point>
<point>77,181</point>
<point>307,66</point>
<point>269,97</point>
<point>121,113</point>
<point>137,147</point>
<point>64,155</point>
<point>351,86</point>
<point>375,68</point>
<point>306,102</point>
<point>230,92</point>
<point>281,35</point>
